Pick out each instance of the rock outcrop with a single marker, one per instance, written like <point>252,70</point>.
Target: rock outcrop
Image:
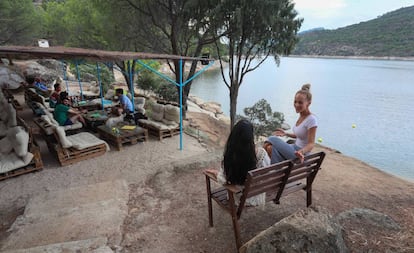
<point>309,230</point>
<point>10,78</point>
<point>371,217</point>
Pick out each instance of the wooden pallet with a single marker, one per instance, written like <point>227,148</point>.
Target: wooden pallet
<point>120,139</point>
<point>68,156</point>
<point>7,93</point>
<point>35,165</point>
<point>160,133</point>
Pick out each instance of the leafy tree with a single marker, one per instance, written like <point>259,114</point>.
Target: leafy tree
<point>19,22</point>
<point>254,30</point>
<point>105,74</point>
<point>75,23</point>
<point>97,24</point>
<point>263,119</point>
<point>179,27</point>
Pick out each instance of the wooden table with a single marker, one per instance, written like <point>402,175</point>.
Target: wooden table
<point>119,135</point>
<point>86,104</point>
<point>95,118</point>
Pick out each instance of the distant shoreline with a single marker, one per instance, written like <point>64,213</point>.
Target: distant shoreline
<point>392,58</point>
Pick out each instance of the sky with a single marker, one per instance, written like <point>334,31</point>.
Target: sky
<point>332,14</point>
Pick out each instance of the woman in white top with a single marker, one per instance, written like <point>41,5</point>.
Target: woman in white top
<point>240,156</point>
<point>304,131</point>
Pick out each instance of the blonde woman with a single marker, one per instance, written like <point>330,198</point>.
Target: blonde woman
<point>304,131</point>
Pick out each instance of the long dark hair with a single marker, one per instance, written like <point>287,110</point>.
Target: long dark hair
<point>240,153</point>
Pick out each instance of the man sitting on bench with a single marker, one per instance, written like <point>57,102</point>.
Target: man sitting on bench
<point>66,115</point>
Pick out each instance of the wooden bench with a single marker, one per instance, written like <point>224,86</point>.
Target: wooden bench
<point>275,181</point>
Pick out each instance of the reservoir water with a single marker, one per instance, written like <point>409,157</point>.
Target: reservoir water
<point>376,96</point>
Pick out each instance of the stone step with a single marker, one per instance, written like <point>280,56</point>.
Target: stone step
<point>93,245</point>
<point>77,196</point>
<point>73,214</point>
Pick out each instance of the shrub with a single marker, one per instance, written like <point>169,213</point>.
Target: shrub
<point>263,119</point>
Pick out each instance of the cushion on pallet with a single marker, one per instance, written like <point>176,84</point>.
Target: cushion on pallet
<point>85,140</point>
<point>11,161</point>
<point>64,141</point>
<point>157,113</point>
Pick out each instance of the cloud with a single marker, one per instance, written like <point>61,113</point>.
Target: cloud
<point>319,9</point>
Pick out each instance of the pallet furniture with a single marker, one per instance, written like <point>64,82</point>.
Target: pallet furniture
<point>88,105</point>
<point>69,152</point>
<point>70,149</point>
<point>35,164</point>
<point>9,96</point>
<point>163,122</point>
<point>117,136</point>
<point>276,180</point>
<point>94,119</point>
<point>33,100</point>
<point>47,123</point>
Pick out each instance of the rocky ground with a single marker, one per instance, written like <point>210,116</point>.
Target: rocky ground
<point>167,205</point>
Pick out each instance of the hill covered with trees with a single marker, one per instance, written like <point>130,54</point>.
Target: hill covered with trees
<point>391,34</point>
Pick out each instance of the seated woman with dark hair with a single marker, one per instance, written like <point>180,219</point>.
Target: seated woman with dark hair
<point>240,156</point>
<point>55,96</point>
<point>66,115</point>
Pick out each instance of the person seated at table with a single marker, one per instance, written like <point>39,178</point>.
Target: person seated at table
<point>124,101</point>
<point>54,97</point>
<point>66,115</point>
<point>115,117</point>
<point>37,83</point>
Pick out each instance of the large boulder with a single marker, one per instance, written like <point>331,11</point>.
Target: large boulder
<point>213,107</point>
<point>32,69</point>
<point>53,65</point>
<point>309,230</point>
<point>10,78</point>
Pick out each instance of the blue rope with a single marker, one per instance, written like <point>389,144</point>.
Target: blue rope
<point>100,85</point>
<point>80,84</point>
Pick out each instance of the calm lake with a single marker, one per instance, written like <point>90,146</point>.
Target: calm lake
<point>377,96</point>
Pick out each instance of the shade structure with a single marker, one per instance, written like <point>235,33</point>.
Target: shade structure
<point>66,53</point>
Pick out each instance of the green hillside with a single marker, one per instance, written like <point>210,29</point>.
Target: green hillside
<point>391,34</point>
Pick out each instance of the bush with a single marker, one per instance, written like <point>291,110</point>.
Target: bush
<point>148,82</point>
<point>263,119</point>
<point>168,92</point>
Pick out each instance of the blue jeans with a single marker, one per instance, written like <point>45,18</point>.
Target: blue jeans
<point>281,150</point>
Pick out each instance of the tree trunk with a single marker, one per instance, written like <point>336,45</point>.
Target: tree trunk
<point>125,73</point>
<point>234,92</point>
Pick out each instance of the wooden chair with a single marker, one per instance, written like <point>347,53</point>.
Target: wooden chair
<point>276,181</point>
<point>270,180</point>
